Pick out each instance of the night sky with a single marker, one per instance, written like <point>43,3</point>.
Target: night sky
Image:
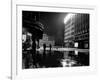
<point>53,24</point>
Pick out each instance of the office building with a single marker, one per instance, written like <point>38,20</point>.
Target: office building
<point>76,30</point>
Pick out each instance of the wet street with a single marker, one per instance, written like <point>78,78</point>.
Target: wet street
<point>57,58</point>
<point>53,39</point>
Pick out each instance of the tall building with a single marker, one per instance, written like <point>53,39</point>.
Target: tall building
<point>82,30</point>
<point>69,30</point>
<point>77,30</point>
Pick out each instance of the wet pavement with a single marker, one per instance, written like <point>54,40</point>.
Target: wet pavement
<point>50,59</point>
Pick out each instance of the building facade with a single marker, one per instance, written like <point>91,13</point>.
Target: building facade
<point>77,31</point>
<point>69,31</point>
<point>82,30</point>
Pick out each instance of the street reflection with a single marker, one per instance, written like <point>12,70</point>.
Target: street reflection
<point>52,58</point>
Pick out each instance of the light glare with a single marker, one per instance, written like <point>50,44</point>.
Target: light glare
<point>68,17</point>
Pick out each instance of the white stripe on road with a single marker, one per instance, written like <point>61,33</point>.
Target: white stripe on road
<point>65,49</point>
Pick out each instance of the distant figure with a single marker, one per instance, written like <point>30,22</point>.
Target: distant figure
<point>44,54</point>
<point>50,49</point>
<point>44,46</point>
<point>34,52</point>
<point>44,50</point>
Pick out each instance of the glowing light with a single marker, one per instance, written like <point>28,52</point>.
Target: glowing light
<point>68,17</point>
<point>64,64</point>
<point>76,52</point>
<point>76,44</point>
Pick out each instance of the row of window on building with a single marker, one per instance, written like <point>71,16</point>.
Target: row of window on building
<point>77,30</point>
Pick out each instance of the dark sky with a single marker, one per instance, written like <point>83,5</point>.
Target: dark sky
<point>54,25</point>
